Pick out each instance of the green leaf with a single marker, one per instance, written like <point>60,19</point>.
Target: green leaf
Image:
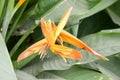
<point>73,29</point>
<point>49,63</point>
<point>74,73</point>
<point>95,23</point>
<point>44,6</point>
<point>81,9</point>
<point>114,12</point>
<point>7,18</point>
<point>48,75</point>
<point>52,10</point>
<point>21,75</point>
<point>1,6</point>
<point>37,65</point>
<point>34,67</point>
<point>6,68</point>
<point>103,42</point>
<point>110,68</point>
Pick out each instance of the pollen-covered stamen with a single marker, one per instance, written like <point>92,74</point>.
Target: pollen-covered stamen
<point>42,51</point>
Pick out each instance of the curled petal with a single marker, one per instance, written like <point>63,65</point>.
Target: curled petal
<point>32,49</point>
<point>67,37</point>
<point>66,52</point>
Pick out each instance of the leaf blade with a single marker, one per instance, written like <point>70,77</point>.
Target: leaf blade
<point>6,65</point>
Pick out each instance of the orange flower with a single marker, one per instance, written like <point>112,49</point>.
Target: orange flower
<point>53,33</point>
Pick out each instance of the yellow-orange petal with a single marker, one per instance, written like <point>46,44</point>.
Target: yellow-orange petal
<point>67,37</point>
<point>32,49</point>
<point>65,52</point>
<point>47,31</point>
<point>54,27</point>
<point>62,23</point>
<point>20,3</point>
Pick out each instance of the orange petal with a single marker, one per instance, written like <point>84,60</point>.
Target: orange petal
<point>66,52</point>
<point>47,31</point>
<point>32,49</point>
<point>54,27</point>
<point>67,37</point>
<point>20,3</point>
<point>62,23</point>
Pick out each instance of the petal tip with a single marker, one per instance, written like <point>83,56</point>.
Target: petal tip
<point>19,58</point>
<point>77,55</point>
<point>21,2</point>
<point>106,59</point>
<point>24,55</point>
<point>101,56</point>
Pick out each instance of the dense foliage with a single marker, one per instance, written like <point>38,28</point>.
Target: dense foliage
<point>95,22</point>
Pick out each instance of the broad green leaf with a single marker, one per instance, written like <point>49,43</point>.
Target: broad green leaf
<point>81,9</point>
<point>6,68</point>
<point>74,73</point>
<point>21,75</point>
<point>114,12</point>
<point>34,67</point>
<point>43,6</point>
<point>95,23</point>
<point>103,42</point>
<point>110,68</point>
<point>49,63</point>
<point>48,75</point>
<point>73,29</point>
<point>54,9</point>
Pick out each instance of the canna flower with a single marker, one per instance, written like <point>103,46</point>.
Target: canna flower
<point>53,33</point>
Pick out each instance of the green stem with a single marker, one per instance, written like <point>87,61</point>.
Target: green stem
<point>22,39</point>
<point>16,21</point>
